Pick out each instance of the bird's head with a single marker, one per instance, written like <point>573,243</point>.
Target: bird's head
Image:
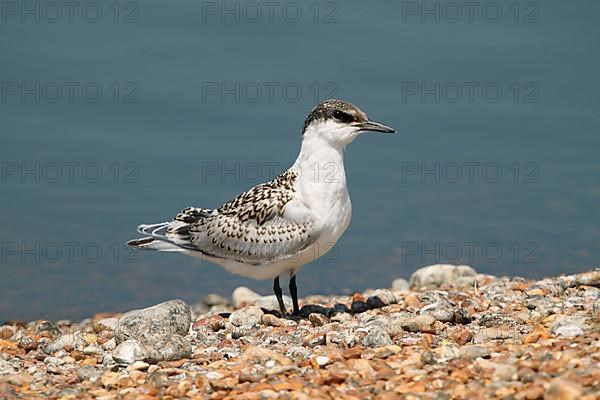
<point>339,123</point>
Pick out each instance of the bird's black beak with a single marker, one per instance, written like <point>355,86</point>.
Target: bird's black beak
<point>375,127</point>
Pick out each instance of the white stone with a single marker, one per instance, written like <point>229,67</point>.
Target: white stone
<point>323,360</point>
<point>243,296</point>
<point>569,331</point>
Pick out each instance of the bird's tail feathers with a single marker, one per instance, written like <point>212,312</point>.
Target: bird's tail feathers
<point>156,238</point>
<point>150,243</point>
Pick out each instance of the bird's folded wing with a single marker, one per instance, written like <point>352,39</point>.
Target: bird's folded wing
<point>253,228</point>
<point>226,237</point>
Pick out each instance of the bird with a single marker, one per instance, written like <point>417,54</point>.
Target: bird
<point>278,226</point>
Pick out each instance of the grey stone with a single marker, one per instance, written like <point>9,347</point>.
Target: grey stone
<point>53,360</point>
<point>568,331</point>
<point>400,284</point>
<point>440,274</point>
<point>243,296</point>
<point>570,326</point>
<point>106,324</point>
<point>428,357</point>
<point>380,298</point>
<point>110,344</point>
<point>60,342</point>
<point>591,278</point>
<point>88,373</point>
<point>486,334</point>
<point>270,302</point>
<point>6,367</point>
<point>337,338</point>
<point>214,300</point>
<point>154,324</point>
<point>47,326</point>
<point>92,349</point>
<point>246,316</point>
<point>491,320</point>
<point>441,311</point>
<point>174,348</point>
<point>473,352</point>
<point>446,353</point>
<point>377,338</point>
<point>420,323</point>
<point>131,350</point>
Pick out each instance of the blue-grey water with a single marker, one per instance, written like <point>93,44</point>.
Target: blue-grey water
<point>114,114</point>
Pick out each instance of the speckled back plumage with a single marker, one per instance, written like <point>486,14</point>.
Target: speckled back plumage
<point>251,228</point>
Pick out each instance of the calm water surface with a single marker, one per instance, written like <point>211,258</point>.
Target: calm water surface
<point>495,164</point>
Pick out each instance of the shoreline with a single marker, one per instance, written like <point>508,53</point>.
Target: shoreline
<point>449,330</point>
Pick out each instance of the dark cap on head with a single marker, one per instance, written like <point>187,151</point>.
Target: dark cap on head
<point>338,110</point>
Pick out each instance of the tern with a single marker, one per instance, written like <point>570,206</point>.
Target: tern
<point>278,226</point>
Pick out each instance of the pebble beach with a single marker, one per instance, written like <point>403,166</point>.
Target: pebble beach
<point>448,332</point>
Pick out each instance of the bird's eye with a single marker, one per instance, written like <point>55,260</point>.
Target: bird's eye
<point>343,116</point>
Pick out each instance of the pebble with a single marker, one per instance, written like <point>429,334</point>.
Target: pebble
<point>318,319</point>
<point>130,351</point>
<point>214,300</point>
<point>70,340</point>
<point>271,320</point>
<point>384,297</point>
<point>377,338</point>
<point>473,352</point>
<point>153,324</point>
<point>420,323</point>
<point>440,310</point>
<point>506,338</point>
<point>568,331</point>
<point>358,306</point>
<point>242,296</point>
<point>591,278</point>
<point>106,324</point>
<point>88,373</point>
<point>569,326</point>
<point>270,302</point>
<point>400,284</point>
<point>443,274</point>
<point>246,316</point>
<point>47,327</point>
<point>138,366</point>
<point>447,352</point>
<point>323,360</point>
<point>486,335</point>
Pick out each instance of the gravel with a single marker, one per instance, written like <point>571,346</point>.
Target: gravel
<point>502,338</point>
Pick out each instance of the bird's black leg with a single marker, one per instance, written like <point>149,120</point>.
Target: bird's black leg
<point>279,295</point>
<point>294,293</point>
